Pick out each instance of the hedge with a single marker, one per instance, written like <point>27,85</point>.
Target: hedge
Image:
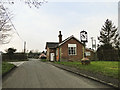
<point>15,56</point>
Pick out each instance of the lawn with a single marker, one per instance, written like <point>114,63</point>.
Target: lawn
<point>109,68</point>
<point>6,67</point>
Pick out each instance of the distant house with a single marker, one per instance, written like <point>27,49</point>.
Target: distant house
<point>70,49</point>
<point>42,56</point>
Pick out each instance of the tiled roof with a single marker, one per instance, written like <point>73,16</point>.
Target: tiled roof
<point>92,50</point>
<point>57,44</point>
<point>51,44</point>
<point>69,39</point>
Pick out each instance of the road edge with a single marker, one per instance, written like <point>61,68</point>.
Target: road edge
<point>6,73</point>
<point>82,74</point>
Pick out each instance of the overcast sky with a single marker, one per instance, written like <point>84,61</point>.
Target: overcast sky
<point>38,26</point>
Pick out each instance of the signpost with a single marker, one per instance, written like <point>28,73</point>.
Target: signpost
<point>83,36</point>
<point>84,39</point>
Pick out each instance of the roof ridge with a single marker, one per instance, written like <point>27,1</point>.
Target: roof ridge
<point>66,39</point>
<point>52,42</point>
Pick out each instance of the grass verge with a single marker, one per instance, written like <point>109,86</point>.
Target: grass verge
<point>6,67</point>
<point>43,60</point>
<point>108,68</point>
<point>15,60</point>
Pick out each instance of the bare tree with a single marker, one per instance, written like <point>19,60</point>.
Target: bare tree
<point>35,3</point>
<point>5,18</point>
<point>5,25</point>
<point>30,3</point>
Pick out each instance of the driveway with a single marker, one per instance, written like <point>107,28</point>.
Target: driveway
<point>37,74</point>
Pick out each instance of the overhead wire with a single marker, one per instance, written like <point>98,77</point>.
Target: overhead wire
<point>12,23</point>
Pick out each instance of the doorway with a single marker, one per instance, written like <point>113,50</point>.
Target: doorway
<point>52,56</point>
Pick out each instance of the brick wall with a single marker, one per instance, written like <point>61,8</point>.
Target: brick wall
<point>47,53</point>
<point>64,51</point>
<point>92,54</point>
<point>49,50</point>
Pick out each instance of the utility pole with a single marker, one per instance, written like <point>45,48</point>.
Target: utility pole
<point>24,46</point>
<point>93,44</point>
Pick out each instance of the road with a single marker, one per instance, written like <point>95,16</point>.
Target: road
<point>37,74</point>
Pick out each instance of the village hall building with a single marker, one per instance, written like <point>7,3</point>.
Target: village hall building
<point>70,49</point>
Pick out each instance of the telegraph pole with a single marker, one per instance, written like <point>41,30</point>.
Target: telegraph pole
<point>24,46</point>
<point>93,44</point>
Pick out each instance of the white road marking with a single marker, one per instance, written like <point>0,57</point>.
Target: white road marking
<point>17,63</point>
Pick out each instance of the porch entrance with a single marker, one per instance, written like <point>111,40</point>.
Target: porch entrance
<point>52,56</point>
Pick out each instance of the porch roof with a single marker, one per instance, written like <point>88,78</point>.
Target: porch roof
<point>51,44</point>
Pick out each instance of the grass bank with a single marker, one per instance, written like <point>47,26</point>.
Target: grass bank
<point>108,68</point>
<point>6,67</point>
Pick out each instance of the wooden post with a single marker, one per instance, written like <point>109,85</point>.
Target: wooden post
<point>84,50</point>
<point>59,54</point>
<point>83,37</point>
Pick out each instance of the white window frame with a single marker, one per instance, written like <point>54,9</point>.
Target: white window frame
<point>72,49</point>
<point>87,53</point>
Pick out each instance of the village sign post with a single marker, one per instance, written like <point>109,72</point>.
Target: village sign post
<point>84,39</point>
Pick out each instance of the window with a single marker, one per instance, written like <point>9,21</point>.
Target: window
<point>87,53</point>
<point>72,49</point>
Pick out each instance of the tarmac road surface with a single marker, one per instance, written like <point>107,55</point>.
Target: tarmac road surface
<point>37,74</point>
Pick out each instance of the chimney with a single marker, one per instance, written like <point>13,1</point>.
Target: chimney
<point>60,37</point>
